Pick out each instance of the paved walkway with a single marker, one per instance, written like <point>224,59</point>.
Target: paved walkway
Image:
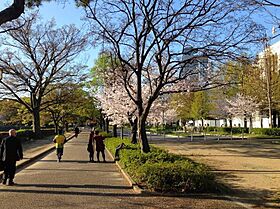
<point>75,183</point>
<point>250,167</point>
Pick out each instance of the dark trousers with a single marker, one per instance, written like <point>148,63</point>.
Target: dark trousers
<point>59,151</point>
<point>103,155</point>
<point>91,156</point>
<point>9,170</point>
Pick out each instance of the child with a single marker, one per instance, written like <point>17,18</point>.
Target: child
<point>59,141</point>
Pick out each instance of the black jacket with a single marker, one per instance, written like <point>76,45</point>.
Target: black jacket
<point>11,149</point>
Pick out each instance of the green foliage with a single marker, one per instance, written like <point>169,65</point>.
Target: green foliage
<point>182,103</point>
<point>266,131</point>
<point>105,134</point>
<point>201,105</point>
<point>180,176</point>
<point>227,130</point>
<point>161,171</point>
<point>14,113</point>
<point>82,3</point>
<point>99,73</point>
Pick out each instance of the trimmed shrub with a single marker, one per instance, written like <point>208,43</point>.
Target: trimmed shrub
<point>266,131</point>
<point>26,135</point>
<point>105,134</point>
<point>180,176</point>
<point>227,130</point>
<point>161,171</point>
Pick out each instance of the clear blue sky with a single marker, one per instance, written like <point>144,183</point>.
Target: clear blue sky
<point>68,13</point>
<point>63,14</point>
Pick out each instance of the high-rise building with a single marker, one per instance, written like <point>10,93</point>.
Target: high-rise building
<point>195,65</point>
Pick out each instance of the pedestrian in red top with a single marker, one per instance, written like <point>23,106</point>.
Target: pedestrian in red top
<point>99,145</point>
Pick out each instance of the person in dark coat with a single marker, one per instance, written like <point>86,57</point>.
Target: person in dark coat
<point>77,131</point>
<point>90,147</point>
<point>99,145</point>
<point>11,151</point>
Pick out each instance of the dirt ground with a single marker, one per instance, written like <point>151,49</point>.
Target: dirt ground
<point>251,168</point>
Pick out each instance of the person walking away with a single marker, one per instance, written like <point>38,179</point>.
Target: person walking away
<point>90,147</point>
<point>77,131</point>
<point>11,151</point>
<point>59,141</point>
<point>99,145</point>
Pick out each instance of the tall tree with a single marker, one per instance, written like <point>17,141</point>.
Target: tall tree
<point>242,106</point>
<point>159,43</point>
<point>270,80</point>
<point>36,56</point>
<point>201,106</point>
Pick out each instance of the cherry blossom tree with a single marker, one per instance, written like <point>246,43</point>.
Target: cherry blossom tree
<point>158,43</point>
<point>242,106</point>
<point>162,111</point>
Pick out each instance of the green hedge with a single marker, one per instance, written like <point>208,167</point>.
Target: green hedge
<point>105,134</point>
<point>235,130</point>
<point>162,171</point>
<point>238,130</point>
<point>26,135</point>
<point>266,131</point>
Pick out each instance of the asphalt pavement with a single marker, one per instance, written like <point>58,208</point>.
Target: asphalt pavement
<point>76,183</point>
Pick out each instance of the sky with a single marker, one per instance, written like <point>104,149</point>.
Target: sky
<point>64,14</point>
<point>68,13</point>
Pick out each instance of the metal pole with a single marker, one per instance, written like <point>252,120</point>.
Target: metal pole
<point>204,135</point>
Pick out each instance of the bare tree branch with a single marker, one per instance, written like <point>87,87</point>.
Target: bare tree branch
<point>12,12</point>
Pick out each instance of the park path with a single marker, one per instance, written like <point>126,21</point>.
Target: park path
<point>250,167</point>
<point>75,183</point>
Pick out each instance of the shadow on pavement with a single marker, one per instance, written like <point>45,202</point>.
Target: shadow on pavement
<point>77,161</point>
<point>130,193</point>
<point>71,170</point>
<point>88,186</point>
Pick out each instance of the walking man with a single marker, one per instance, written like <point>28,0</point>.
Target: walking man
<point>11,151</point>
<point>59,141</point>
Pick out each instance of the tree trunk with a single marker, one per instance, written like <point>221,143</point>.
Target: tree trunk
<point>66,126</point>
<point>122,132</point>
<point>12,12</point>
<point>36,123</point>
<point>274,118</point>
<point>230,122</point>
<point>245,122</point>
<point>142,135</point>
<point>56,127</point>
<point>133,135</point>
<point>114,130</point>
<point>107,125</point>
<point>268,90</point>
